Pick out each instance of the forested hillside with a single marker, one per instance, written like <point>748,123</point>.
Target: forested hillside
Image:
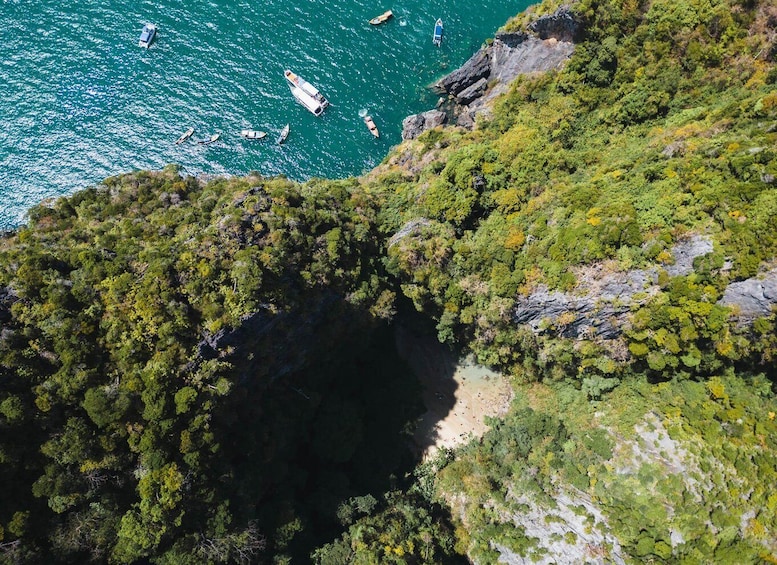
<point>196,372</point>
<point>653,441</point>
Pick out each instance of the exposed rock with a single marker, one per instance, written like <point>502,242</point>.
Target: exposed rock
<point>592,543</point>
<point>684,252</point>
<point>602,301</point>
<point>410,228</point>
<point>415,125</point>
<point>466,120</point>
<point>530,56</point>
<point>752,298</point>
<point>584,317</point>
<point>473,91</point>
<point>7,298</point>
<point>489,72</point>
<point>510,55</point>
<point>674,148</point>
<point>477,67</point>
<point>563,25</point>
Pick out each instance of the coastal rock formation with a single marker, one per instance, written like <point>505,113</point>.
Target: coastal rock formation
<point>472,92</point>
<point>415,125</point>
<point>490,71</point>
<point>477,67</point>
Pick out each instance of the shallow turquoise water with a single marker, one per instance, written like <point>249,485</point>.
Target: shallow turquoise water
<point>82,101</point>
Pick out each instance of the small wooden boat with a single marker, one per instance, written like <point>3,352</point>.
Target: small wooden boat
<point>186,135</point>
<point>371,126</point>
<point>437,37</point>
<point>147,36</point>
<point>284,134</point>
<point>211,139</point>
<point>385,16</point>
<point>252,134</point>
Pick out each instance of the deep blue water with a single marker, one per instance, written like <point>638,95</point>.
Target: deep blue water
<point>82,101</point>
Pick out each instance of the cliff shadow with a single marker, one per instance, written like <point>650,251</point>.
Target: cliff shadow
<point>434,365</point>
<point>298,446</point>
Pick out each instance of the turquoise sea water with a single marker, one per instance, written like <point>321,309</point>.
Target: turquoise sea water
<point>81,101</point>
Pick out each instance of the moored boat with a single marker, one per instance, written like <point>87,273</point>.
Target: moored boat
<point>147,35</point>
<point>252,134</point>
<point>382,18</point>
<point>437,37</point>
<point>305,93</point>
<point>284,134</point>
<point>371,126</point>
<point>211,139</point>
<point>186,135</point>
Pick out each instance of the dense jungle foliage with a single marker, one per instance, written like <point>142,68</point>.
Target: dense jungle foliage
<point>195,372</point>
<point>662,125</point>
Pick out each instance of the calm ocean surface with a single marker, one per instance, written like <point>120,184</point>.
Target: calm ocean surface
<point>81,101</point>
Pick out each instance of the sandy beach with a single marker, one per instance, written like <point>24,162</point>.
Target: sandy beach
<point>458,394</point>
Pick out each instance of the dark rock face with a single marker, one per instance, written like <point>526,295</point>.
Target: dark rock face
<point>562,26</point>
<point>752,298</point>
<point>512,39</point>
<point>489,71</point>
<point>7,298</point>
<point>415,125</point>
<point>477,67</point>
<point>472,92</point>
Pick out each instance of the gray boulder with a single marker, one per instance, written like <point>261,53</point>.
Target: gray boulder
<point>752,298</point>
<point>415,125</point>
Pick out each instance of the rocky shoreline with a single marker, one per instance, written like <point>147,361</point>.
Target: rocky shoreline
<point>546,45</point>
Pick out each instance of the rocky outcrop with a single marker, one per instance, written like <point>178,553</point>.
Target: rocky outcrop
<point>415,125</point>
<point>563,25</point>
<point>510,59</point>
<point>472,92</point>
<point>547,45</point>
<point>599,308</point>
<point>752,298</point>
<point>600,305</point>
<point>477,67</point>
<point>7,298</point>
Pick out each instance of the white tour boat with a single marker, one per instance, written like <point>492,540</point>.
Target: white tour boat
<point>305,93</point>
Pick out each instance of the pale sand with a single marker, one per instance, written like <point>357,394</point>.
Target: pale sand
<point>458,394</point>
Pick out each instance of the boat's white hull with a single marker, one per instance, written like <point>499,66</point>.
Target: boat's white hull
<point>306,94</point>
<point>307,101</point>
